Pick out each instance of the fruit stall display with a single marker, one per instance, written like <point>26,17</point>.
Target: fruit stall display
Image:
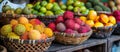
<point>21,32</point>
<point>70,30</point>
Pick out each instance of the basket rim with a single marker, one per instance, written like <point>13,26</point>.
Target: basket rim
<point>73,35</point>
<point>28,41</point>
<point>53,16</point>
<point>104,12</point>
<point>105,27</point>
<point>18,15</point>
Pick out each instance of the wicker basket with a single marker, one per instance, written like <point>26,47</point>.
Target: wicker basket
<point>47,19</point>
<point>16,45</point>
<point>103,32</point>
<point>3,49</point>
<point>5,18</point>
<point>72,38</point>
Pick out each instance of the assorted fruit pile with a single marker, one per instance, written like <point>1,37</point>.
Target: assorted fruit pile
<point>115,5</point>
<point>69,24</point>
<point>96,5</point>
<point>101,20</point>
<point>75,6</point>
<point>24,29</point>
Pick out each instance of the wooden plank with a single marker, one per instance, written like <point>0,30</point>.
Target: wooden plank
<point>55,47</point>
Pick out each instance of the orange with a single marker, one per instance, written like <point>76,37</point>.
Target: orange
<point>13,22</point>
<point>97,19</point>
<point>90,23</point>
<point>23,20</point>
<point>104,18</point>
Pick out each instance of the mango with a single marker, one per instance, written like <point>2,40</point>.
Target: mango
<point>109,24</point>
<point>98,24</point>
<point>34,35</point>
<point>90,23</point>
<point>83,18</point>
<point>13,22</point>
<point>23,20</point>
<point>92,15</point>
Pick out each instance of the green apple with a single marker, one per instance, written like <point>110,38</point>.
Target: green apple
<point>49,6</point>
<point>35,12</point>
<point>55,8</point>
<point>85,12</point>
<point>77,3</point>
<point>82,8</point>
<point>41,14</point>
<point>76,9</point>
<point>63,7</point>
<point>82,4</point>
<point>18,11</point>
<point>55,3</point>
<point>43,3</point>
<point>37,7</point>
<point>43,9</point>
<point>58,12</point>
<point>70,7</point>
<point>27,11</point>
<point>70,2</point>
<point>37,3</point>
<point>29,5</point>
<point>49,13</point>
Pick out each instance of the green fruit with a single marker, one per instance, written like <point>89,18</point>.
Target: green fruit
<point>76,9</point>
<point>49,6</point>
<point>82,4</point>
<point>70,7</point>
<point>37,3</point>
<point>43,3</point>
<point>18,11</point>
<point>35,12</point>
<point>41,14</point>
<point>49,13</point>
<point>63,7</point>
<point>82,8</point>
<point>69,2</point>
<point>12,35</point>
<point>6,29</point>
<point>85,12</point>
<point>37,7</point>
<point>91,8</point>
<point>1,1</point>
<point>19,29</point>
<point>43,9</point>
<point>29,5</point>
<point>88,5</point>
<point>27,10</point>
<point>55,4</point>
<point>55,8</point>
<point>5,8</point>
<point>98,8</point>
<point>77,3</point>
<point>58,12</point>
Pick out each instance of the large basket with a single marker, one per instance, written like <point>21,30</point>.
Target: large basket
<point>72,38</point>
<point>103,32</point>
<point>16,45</point>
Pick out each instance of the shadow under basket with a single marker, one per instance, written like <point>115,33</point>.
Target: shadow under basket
<point>117,30</point>
<point>103,32</point>
<point>16,45</point>
<point>73,39</point>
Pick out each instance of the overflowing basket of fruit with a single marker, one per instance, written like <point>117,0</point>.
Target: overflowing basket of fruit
<point>23,35</point>
<point>102,24</point>
<point>70,30</point>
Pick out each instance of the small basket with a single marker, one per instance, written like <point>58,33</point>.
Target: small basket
<point>103,32</point>
<point>47,19</point>
<point>3,49</point>
<point>72,38</point>
<point>5,18</point>
<point>16,45</point>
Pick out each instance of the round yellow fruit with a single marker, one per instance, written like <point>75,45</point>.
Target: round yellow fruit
<point>112,19</point>
<point>48,32</point>
<point>90,23</point>
<point>92,15</point>
<point>23,20</point>
<point>12,35</point>
<point>98,24</point>
<point>40,28</point>
<point>83,18</point>
<point>28,27</point>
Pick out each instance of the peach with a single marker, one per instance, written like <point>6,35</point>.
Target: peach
<point>35,35</point>
<point>23,20</point>
<point>35,22</point>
